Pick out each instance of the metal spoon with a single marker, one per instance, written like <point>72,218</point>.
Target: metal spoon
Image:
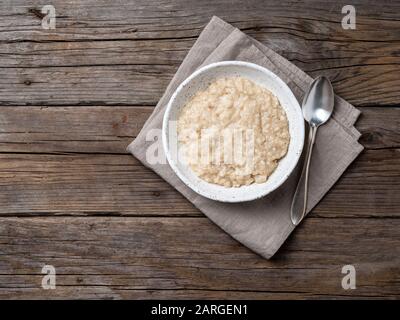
<point>317,108</point>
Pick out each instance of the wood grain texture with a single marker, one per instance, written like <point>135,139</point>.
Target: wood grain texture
<point>141,19</point>
<point>84,184</point>
<point>102,129</point>
<point>125,52</point>
<point>95,129</point>
<point>132,260</point>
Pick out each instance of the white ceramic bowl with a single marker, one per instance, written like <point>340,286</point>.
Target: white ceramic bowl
<point>200,80</point>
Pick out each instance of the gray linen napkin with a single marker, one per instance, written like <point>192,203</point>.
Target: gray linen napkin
<point>262,225</point>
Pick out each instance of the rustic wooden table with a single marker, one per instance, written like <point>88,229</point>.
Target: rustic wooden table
<point>72,99</point>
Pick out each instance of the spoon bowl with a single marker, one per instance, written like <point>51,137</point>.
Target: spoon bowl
<point>318,102</point>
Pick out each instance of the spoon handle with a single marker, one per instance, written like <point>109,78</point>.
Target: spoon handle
<point>299,204</point>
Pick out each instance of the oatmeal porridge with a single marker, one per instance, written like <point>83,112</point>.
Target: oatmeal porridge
<point>233,114</point>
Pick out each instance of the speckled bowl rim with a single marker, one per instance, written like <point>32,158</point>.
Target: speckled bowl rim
<point>224,190</point>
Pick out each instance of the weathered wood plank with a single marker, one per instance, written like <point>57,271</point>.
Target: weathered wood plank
<point>96,129</point>
<point>110,129</point>
<point>65,66</point>
<point>143,19</point>
<point>131,80</point>
<point>94,53</point>
<point>97,85</point>
<point>380,128</point>
<point>142,257</point>
<point>108,292</point>
<point>357,75</point>
<point>86,184</point>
